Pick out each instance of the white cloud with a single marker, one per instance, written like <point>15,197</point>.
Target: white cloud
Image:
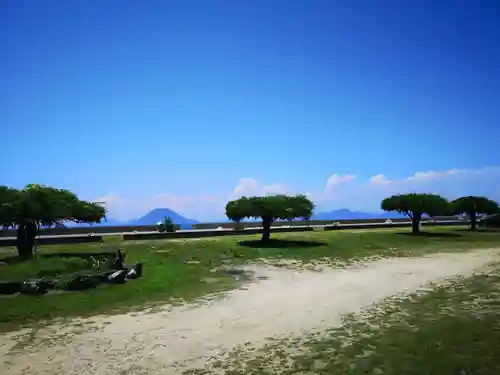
<point>379,179</point>
<point>336,180</point>
<point>339,191</point>
<point>251,187</point>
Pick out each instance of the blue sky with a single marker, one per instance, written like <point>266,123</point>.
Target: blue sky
<point>187,104</point>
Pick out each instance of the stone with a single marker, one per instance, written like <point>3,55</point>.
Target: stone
<point>33,287</point>
<point>118,262</point>
<point>10,287</point>
<point>117,277</point>
<point>81,282</point>
<point>102,277</point>
<point>135,272</point>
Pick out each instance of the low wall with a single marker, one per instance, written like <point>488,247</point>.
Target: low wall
<point>86,230</point>
<point>367,226</point>
<point>226,225</point>
<point>214,233</point>
<point>55,240</point>
<point>254,224</point>
<point>394,225</point>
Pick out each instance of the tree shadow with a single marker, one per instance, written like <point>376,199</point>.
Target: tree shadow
<point>479,230</point>
<point>431,234</point>
<point>280,244</point>
<point>13,259</point>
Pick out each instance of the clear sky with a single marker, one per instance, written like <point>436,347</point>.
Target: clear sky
<point>187,103</point>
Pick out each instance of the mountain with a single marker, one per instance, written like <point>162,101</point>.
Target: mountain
<point>344,214</point>
<point>341,214</point>
<point>108,223</point>
<point>158,214</point>
<point>151,218</point>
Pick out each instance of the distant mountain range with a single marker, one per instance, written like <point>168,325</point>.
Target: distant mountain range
<point>151,218</point>
<point>344,214</point>
<point>158,214</point>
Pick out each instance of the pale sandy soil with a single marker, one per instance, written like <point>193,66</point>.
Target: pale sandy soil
<point>283,302</point>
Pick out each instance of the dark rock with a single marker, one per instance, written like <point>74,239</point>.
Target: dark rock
<point>33,287</point>
<point>118,262</point>
<point>10,287</point>
<point>117,277</point>
<point>234,271</point>
<point>135,272</point>
<point>81,282</point>
<point>50,284</point>
<point>102,277</point>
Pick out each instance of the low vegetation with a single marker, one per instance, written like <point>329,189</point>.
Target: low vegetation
<point>415,206</point>
<point>36,205</point>
<point>185,269</point>
<point>270,209</point>
<point>41,267</point>
<point>471,206</point>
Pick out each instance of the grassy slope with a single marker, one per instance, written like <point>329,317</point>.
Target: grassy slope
<point>185,269</point>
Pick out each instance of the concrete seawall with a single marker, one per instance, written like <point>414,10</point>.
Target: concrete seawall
<point>152,235</point>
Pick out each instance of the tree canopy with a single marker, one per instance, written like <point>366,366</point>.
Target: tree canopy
<point>269,209</point>
<point>41,205</point>
<point>473,205</point>
<point>415,205</point>
<point>479,205</point>
<point>46,206</point>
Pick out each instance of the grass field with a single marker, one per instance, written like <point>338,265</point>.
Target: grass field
<point>186,269</point>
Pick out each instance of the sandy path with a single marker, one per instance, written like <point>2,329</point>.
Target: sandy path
<point>287,303</point>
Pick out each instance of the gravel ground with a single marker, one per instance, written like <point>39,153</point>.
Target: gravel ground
<point>280,302</point>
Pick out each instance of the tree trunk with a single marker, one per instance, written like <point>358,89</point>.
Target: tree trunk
<point>25,242</point>
<point>415,223</point>
<point>266,229</point>
<point>473,220</point>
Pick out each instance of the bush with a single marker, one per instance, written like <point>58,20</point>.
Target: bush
<point>492,221</point>
<point>167,225</point>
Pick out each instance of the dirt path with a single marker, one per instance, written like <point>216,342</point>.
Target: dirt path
<point>287,303</point>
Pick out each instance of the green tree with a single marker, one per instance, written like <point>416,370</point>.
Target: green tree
<point>415,205</point>
<point>473,205</point>
<point>269,209</point>
<point>36,205</point>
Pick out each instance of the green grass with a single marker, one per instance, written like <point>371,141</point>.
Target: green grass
<point>454,329</point>
<point>188,269</point>
<point>45,268</point>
